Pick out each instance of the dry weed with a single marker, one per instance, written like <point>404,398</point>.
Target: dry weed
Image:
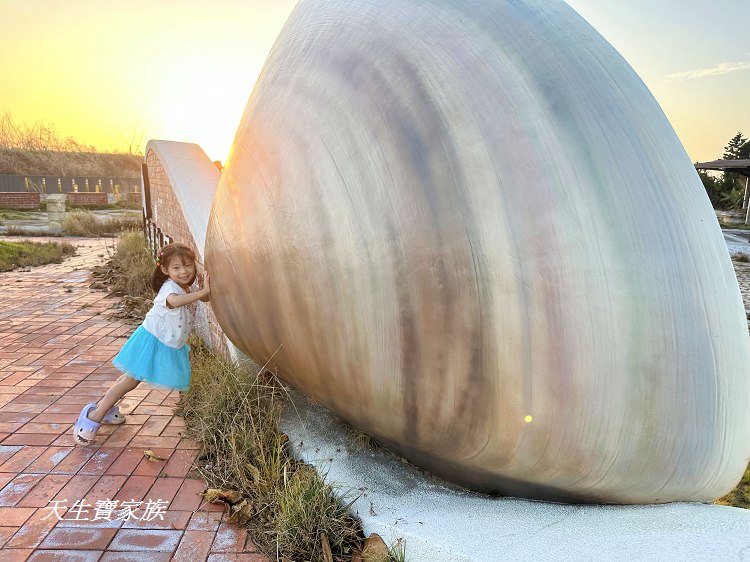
<point>85,223</point>
<point>233,414</point>
<point>127,273</point>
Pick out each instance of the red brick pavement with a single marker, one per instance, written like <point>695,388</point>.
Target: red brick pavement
<point>55,350</point>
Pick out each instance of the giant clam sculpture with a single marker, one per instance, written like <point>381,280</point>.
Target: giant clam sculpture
<point>475,235</point>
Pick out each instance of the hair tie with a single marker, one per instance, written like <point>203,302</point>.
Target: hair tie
<point>158,258</point>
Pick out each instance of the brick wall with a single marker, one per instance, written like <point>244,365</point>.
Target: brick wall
<point>87,199</point>
<point>20,200</point>
<point>166,213</point>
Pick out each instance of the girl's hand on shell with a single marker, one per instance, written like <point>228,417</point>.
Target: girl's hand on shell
<point>206,286</point>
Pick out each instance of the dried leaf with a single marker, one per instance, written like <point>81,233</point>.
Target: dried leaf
<point>211,494</point>
<point>254,472</point>
<point>375,549</point>
<point>327,554</point>
<point>238,506</point>
<point>153,457</point>
<point>243,515</point>
<point>230,496</point>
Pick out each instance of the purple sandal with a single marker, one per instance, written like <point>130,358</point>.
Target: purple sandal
<point>85,429</point>
<point>114,417</point>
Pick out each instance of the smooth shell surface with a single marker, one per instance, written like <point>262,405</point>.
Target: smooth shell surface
<point>468,229</point>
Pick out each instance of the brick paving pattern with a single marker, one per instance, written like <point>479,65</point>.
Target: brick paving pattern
<point>56,344</point>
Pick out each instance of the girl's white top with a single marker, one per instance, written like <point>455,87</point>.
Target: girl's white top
<point>171,326</point>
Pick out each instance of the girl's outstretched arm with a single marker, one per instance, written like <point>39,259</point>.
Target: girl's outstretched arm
<point>175,301</point>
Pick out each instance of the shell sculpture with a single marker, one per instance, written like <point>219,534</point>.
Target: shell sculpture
<point>467,228</point>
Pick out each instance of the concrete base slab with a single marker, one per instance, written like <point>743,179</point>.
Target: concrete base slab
<point>738,241</point>
<point>440,523</point>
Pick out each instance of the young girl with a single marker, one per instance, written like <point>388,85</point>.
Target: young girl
<point>157,352</point>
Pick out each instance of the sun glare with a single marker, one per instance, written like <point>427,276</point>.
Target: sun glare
<point>117,80</point>
<point>199,97</point>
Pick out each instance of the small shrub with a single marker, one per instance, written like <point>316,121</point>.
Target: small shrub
<point>81,223</point>
<point>85,223</point>
<point>26,253</point>
<point>127,274</point>
<point>741,257</point>
<point>134,263</point>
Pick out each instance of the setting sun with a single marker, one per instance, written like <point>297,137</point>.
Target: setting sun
<point>117,77</point>
<point>194,99</point>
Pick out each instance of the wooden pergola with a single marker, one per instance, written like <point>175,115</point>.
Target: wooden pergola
<point>741,167</point>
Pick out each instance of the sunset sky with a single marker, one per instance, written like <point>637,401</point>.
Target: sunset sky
<point>115,74</point>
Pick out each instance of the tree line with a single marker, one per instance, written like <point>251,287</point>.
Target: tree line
<point>37,150</point>
<point>727,191</point>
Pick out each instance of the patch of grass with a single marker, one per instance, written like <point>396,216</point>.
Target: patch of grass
<point>397,552</point>
<point>15,214</point>
<point>740,496</point>
<point>85,223</point>
<point>128,205</point>
<point>127,273</point>
<point>741,257</point>
<point>307,508</point>
<point>26,253</point>
<point>118,206</point>
<point>233,415</point>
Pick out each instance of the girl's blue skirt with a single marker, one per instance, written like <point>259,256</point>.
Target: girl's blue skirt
<point>145,358</point>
